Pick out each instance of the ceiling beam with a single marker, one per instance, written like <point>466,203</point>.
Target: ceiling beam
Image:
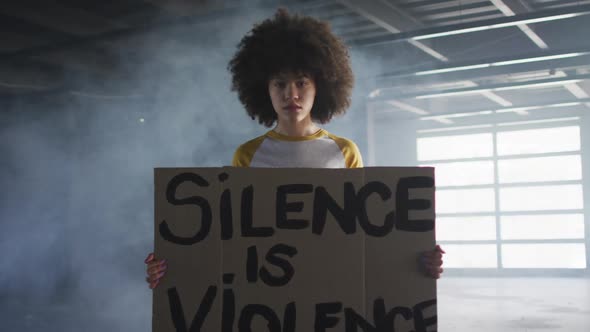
<point>13,41</point>
<point>190,7</point>
<point>92,60</point>
<point>513,7</point>
<point>496,98</point>
<point>459,12</point>
<point>66,24</point>
<point>55,16</point>
<point>495,62</point>
<point>495,23</point>
<point>392,19</point>
<point>407,107</point>
<point>395,20</point>
<point>113,36</point>
<point>29,76</point>
<point>522,109</point>
<point>577,91</point>
<point>484,75</point>
<point>447,118</point>
<point>96,54</point>
<point>384,14</point>
<point>480,88</point>
<point>204,7</point>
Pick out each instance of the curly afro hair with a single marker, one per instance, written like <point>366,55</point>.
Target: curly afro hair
<point>292,43</point>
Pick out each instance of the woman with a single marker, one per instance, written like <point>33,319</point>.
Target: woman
<point>292,72</point>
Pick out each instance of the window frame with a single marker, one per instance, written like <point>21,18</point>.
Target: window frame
<point>494,129</point>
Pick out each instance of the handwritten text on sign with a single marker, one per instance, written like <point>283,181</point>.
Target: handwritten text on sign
<point>294,249</point>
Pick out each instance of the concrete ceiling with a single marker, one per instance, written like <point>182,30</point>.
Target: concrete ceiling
<point>478,54</point>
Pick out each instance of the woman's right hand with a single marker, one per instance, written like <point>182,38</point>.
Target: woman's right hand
<point>156,268</point>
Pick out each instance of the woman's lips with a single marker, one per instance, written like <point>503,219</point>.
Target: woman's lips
<point>292,108</point>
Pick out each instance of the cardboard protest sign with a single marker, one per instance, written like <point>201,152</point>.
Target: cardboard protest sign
<point>284,250</point>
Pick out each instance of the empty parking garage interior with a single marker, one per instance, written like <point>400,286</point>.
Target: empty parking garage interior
<point>494,94</point>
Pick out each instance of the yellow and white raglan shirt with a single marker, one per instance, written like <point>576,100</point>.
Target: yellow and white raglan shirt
<point>319,150</point>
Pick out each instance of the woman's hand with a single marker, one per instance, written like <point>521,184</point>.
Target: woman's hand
<point>431,262</point>
<point>156,268</point>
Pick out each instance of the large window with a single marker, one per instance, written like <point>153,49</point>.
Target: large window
<point>508,196</point>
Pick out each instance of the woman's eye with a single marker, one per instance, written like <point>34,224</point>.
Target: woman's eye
<point>280,85</point>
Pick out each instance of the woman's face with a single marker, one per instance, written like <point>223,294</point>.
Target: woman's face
<point>292,96</point>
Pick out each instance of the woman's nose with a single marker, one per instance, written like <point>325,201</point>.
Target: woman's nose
<point>291,92</point>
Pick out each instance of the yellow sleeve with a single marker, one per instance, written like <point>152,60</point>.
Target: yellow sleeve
<point>245,152</point>
<point>352,155</point>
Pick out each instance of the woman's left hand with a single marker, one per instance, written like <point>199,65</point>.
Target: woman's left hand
<point>431,262</point>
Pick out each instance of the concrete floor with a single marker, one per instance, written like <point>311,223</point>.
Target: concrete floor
<point>513,304</point>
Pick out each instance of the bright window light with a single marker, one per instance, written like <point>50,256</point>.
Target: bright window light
<point>464,173</point>
<point>544,140</point>
<point>542,226</point>
<point>555,168</point>
<point>542,198</point>
<point>471,256</point>
<point>455,147</point>
<point>551,255</point>
<point>465,200</point>
<point>465,228</point>
<point>523,191</point>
